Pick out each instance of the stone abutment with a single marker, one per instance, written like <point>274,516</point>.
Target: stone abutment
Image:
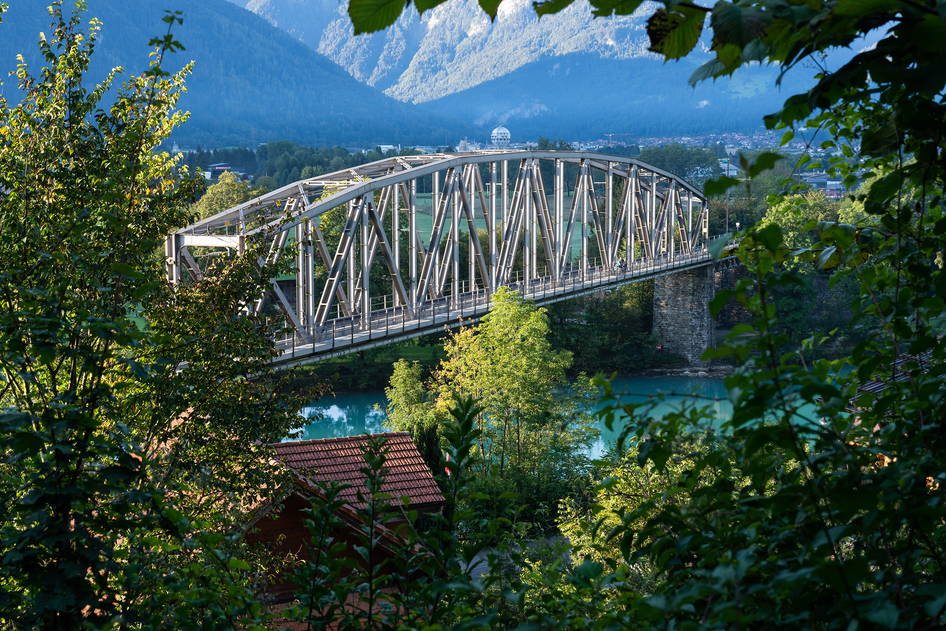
<point>682,323</point>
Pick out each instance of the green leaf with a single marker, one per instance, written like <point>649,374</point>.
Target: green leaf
<point>674,33</point>
<point>718,245</point>
<point>880,140</point>
<point>930,33</point>
<point>796,107</point>
<point>885,614</point>
<point>368,16</point>
<point>710,70</point>
<point>859,8</point>
<point>719,185</point>
<point>737,24</point>
<point>763,162</point>
<point>588,571</point>
<point>606,8</point>
<point>427,5</point>
<point>828,258</point>
<point>935,606</point>
<point>238,565</point>
<point>550,6</point>
<point>490,7</point>
<point>770,237</point>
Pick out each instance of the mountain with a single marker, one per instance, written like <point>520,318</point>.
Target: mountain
<point>251,83</point>
<point>568,75</point>
<point>582,95</point>
<point>454,46</point>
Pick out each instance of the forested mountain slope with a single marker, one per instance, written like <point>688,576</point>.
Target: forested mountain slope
<point>252,82</point>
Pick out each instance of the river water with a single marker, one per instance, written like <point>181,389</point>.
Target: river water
<point>352,413</point>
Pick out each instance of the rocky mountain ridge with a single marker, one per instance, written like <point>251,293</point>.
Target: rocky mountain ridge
<point>568,75</point>
<point>454,46</point>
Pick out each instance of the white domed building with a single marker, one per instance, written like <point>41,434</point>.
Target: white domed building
<point>499,138</point>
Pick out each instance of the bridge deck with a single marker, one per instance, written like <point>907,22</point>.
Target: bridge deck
<point>347,335</point>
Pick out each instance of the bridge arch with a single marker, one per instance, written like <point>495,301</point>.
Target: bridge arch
<point>407,245</point>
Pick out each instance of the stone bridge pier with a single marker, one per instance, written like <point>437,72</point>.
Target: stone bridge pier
<point>682,321</point>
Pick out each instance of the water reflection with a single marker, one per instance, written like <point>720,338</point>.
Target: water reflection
<point>352,413</point>
<point>666,395</point>
<point>346,414</point>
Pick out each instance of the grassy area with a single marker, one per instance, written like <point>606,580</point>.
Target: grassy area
<point>424,220</point>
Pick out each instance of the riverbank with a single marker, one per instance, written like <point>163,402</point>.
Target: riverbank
<point>343,379</point>
<point>716,371</point>
<point>354,375</point>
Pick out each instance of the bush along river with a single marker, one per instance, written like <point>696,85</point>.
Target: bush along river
<point>353,413</point>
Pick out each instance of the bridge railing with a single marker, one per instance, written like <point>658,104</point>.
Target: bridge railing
<point>452,310</point>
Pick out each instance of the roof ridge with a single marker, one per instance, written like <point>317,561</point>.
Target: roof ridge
<point>339,439</point>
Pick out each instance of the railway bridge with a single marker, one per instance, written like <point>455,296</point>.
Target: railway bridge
<point>408,245</point>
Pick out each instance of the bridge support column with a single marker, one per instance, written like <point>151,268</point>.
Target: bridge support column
<point>682,322</point>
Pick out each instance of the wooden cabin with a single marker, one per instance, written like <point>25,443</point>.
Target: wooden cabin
<point>280,526</point>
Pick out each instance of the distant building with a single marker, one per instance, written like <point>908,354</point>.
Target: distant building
<point>500,137</point>
<point>727,168</point>
<point>832,189</point>
<point>214,171</point>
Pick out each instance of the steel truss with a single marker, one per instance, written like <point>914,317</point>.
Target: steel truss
<point>551,224</point>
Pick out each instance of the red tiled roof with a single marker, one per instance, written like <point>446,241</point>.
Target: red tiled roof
<point>341,460</point>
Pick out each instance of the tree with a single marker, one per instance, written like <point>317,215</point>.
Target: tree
<point>608,331</point>
<point>408,408</point>
<point>228,191</point>
<point>535,426</point>
<point>508,365</point>
<point>628,486</point>
<point>689,163</point>
<point>129,445</point>
<point>744,205</point>
<point>545,144</point>
<point>798,217</point>
<point>823,301</point>
<point>265,183</point>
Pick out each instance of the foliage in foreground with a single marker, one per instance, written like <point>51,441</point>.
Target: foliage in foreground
<point>126,453</point>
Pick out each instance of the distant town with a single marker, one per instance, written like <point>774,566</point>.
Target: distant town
<point>727,147</point>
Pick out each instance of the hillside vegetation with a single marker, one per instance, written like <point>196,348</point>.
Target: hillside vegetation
<point>251,82</point>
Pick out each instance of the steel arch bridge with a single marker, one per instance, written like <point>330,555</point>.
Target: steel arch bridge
<point>409,245</point>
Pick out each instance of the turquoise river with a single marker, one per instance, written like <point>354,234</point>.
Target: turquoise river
<point>351,413</point>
